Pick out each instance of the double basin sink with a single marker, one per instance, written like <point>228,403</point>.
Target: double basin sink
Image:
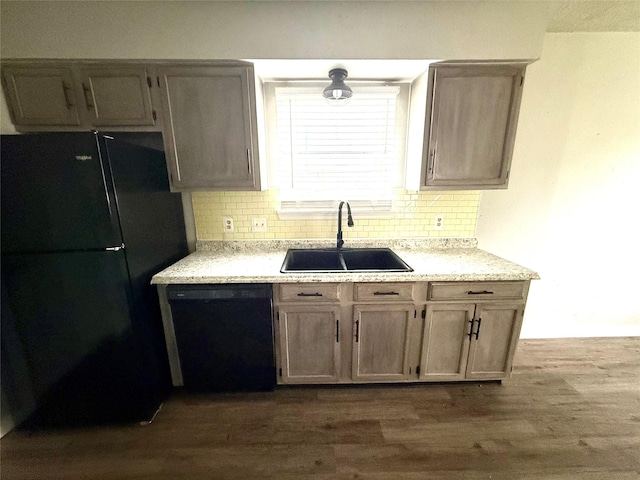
<point>332,260</point>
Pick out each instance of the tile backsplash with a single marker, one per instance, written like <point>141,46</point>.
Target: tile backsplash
<point>413,216</point>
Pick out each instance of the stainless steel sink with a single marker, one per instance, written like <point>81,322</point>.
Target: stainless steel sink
<point>331,260</point>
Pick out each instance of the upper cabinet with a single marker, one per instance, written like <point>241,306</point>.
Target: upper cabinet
<point>472,113</point>
<point>45,95</point>
<point>206,110</point>
<point>41,95</point>
<point>210,127</point>
<point>117,96</point>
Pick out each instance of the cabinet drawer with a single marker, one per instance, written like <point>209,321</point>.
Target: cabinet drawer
<point>383,292</point>
<point>309,292</point>
<point>475,291</point>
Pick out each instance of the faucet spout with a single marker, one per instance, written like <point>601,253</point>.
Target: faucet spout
<point>350,223</point>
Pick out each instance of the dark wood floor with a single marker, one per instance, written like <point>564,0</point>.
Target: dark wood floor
<point>570,411</point>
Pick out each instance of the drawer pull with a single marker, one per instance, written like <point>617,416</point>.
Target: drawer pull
<point>483,292</point>
<point>357,330</point>
<point>337,331</point>
<point>470,334</point>
<point>386,293</point>
<point>302,294</point>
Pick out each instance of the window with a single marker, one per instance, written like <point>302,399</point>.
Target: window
<point>321,153</point>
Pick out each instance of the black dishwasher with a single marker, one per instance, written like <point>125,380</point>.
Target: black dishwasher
<point>224,335</point>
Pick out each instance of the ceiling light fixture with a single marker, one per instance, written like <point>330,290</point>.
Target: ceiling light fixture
<point>337,93</point>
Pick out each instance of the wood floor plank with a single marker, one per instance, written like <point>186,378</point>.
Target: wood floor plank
<point>243,462</point>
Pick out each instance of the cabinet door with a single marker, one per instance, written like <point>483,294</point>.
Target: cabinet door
<point>472,125</point>
<point>117,96</point>
<point>41,95</point>
<point>496,332</point>
<point>309,344</point>
<point>381,342</point>
<point>445,345</point>
<point>210,116</point>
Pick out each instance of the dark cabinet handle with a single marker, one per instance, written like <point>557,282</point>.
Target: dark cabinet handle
<point>386,293</point>
<point>478,330</point>
<point>309,294</point>
<point>65,90</point>
<point>483,292</point>
<point>337,331</point>
<point>357,330</point>
<point>87,96</point>
<point>470,334</point>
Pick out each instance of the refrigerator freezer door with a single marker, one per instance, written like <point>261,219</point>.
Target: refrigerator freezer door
<point>56,194</point>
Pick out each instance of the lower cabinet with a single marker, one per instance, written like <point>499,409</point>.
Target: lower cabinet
<point>381,342</point>
<point>469,342</point>
<point>309,341</point>
<point>411,332</point>
<point>445,347</point>
<point>494,340</point>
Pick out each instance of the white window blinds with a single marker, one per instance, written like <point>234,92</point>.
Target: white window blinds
<point>328,152</point>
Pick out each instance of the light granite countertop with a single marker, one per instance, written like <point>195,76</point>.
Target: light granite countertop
<point>260,262</point>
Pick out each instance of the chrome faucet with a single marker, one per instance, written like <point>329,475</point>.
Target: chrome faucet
<point>349,223</point>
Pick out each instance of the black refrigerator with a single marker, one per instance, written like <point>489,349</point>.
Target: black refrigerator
<point>86,221</point>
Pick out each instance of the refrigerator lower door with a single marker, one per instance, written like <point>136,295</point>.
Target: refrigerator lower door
<point>73,318</point>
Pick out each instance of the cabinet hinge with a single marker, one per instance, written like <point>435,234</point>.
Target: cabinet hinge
<point>153,114</point>
<point>418,370</point>
<point>424,313</point>
<point>280,371</point>
<point>149,82</point>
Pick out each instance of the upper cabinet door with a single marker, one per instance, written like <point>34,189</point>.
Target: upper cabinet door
<point>471,125</point>
<point>41,95</point>
<point>116,96</point>
<point>210,117</point>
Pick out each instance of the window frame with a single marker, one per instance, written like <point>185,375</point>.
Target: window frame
<point>299,208</point>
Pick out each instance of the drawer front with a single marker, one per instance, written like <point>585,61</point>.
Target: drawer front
<point>309,292</point>
<point>472,291</point>
<point>383,292</point>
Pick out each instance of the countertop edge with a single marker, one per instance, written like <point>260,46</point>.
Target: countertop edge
<point>430,265</point>
<point>344,278</point>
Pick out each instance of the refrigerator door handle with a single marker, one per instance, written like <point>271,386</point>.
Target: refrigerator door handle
<point>115,249</point>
